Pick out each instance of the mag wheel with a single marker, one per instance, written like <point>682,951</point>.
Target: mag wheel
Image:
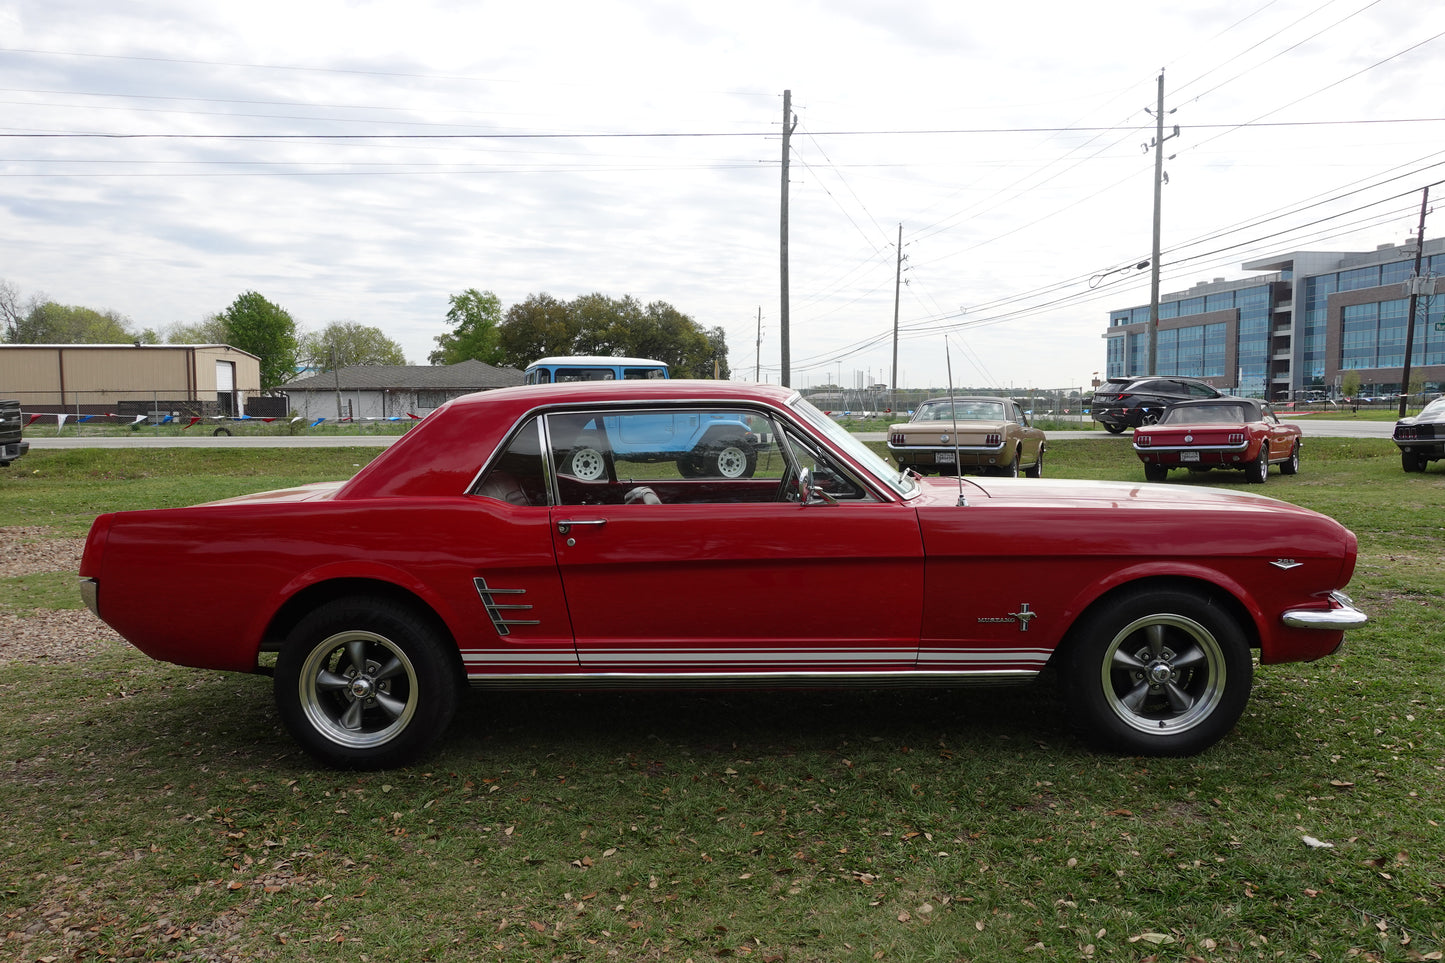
<point>1291,466</point>
<point>1037,471</point>
<point>1257,471</point>
<point>1158,673</point>
<point>365,684</point>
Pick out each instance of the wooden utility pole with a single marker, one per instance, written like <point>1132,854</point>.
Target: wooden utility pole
<point>1415,283</point>
<point>789,122</point>
<point>1159,139</point>
<point>897,287</point>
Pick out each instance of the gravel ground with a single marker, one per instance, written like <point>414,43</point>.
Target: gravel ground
<point>46,637</point>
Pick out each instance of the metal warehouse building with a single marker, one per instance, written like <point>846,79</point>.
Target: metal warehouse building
<point>93,379</point>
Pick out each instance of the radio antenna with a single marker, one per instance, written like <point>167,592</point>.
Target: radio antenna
<point>953,413</point>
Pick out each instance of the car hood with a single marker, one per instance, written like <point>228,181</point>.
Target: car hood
<point>1115,496</point>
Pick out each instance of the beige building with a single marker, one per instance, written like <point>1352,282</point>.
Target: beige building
<point>93,379</point>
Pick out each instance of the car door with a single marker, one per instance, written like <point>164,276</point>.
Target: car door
<point>728,576</point>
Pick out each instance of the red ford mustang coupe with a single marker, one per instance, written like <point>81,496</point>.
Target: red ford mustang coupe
<point>469,553</point>
<point>1240,433</point>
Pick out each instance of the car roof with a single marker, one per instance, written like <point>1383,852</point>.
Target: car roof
<point>1221,401</point>
<point>958,398</point>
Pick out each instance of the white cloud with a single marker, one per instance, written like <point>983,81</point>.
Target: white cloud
<point>1004,221</point>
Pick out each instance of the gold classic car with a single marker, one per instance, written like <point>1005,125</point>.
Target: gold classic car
<point>959,435</point>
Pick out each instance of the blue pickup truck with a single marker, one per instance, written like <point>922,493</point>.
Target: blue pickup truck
<point>702,444</point>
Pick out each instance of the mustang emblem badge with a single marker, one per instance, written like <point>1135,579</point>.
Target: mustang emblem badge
<point>1188,439</point>
<point>1286,563</point>
<point>1022,617</point>
<point>943,439</point>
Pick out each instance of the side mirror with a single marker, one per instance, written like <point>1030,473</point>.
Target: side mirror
<point>804,492</point>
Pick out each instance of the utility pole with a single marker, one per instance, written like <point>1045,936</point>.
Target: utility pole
<point>1158,145</point>
<point>897,287</point>
<point>1416,282</point>
<point>758,362</point>
<point>789,122</point>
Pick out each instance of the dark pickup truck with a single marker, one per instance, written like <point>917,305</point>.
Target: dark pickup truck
<point>11,447</point>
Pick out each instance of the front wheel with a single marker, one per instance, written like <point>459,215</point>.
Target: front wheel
<point>1158,673</point>
<point>1291,465</point>
<point>365,684</point>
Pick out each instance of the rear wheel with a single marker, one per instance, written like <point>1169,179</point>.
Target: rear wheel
<point>1411,461</point>
<point>586,461</point>
<point>1291,466</point>
<point>732,459</point>
<point>365,684</point>
<point>1257,471</point>
<point>1158,673</point>
<point>1112,429</point>
<point>1155,473</point>
<point>1037,471</point>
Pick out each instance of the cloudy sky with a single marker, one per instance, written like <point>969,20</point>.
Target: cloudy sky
<point>361,161</point>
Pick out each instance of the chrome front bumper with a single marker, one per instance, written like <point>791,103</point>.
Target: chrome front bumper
<point>1342,615</point>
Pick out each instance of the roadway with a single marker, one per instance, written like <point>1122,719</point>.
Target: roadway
<point>1316,428</point>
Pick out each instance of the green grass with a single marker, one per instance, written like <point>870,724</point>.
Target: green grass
<point>161,813</point>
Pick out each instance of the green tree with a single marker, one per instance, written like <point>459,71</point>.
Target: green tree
<point>342,344</point>
<point>50,323</point>
<point>536,328</point>
<point>256,325</point>
<point>474,316</point>
<point>598,324</point>
<point>210,331</point>
<point>1351,386</point>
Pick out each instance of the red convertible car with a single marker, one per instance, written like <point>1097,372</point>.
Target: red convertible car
<point>1240,433</point>
<point>467,554</point>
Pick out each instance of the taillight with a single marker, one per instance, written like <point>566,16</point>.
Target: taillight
<point>1142,441</point>
<point>1236,438</point>
<point>993,438</point>
<point>897,438</point>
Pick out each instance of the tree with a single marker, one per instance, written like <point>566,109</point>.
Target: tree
<point>50,323</point>
<point>536,328</point>
<point>264,329</point>
<point>1351,386</point>
<point>10,311</point>
<point>342,344</point>
<point>601,325</point>
<point>210,331</point>
<point>474,316</point>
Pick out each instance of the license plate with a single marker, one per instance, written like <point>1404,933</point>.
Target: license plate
<point>1189,456</point>
<point>943,458</point>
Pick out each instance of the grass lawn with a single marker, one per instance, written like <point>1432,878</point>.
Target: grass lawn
<point>154,812</point>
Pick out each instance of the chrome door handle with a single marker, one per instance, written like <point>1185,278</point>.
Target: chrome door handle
<point>565,525</point>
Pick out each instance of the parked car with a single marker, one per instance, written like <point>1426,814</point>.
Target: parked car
<point>955,435</point>
<point>1121,403</point>
<point>466,553</point>
<point>1224,432</point>
<point>1422,437</point>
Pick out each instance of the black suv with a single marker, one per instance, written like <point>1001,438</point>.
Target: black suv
<point>1121,403</point>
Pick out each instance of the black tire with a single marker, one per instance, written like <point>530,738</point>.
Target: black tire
<point>730,458</point>
<point>1157,673</point>
<point>220,432</point>
<point>1155,473</point>
<point>1257,471</point>
<point>366,684</point>
<point>690,466</point>
<point>1113,429</point>
<point>1291,465</point>
<point>1011,470</point>
<point>1037,470</point>
<point>1410,461</point>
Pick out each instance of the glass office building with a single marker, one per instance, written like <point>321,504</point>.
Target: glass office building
<point>1298,330</point>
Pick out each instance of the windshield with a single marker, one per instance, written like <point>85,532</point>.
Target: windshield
<point>846,441</point>
<point>960,410</point>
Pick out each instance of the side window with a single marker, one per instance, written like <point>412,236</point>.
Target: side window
<point>518,476</point>
<point>1200,391</point>
<point>827,473</point>
<point>668,456</point>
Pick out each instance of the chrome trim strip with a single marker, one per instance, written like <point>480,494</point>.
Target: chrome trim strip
<point>90,595</point>
<point>582,680</point>
<point>1344,616</point>
<point>1242,447</point>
